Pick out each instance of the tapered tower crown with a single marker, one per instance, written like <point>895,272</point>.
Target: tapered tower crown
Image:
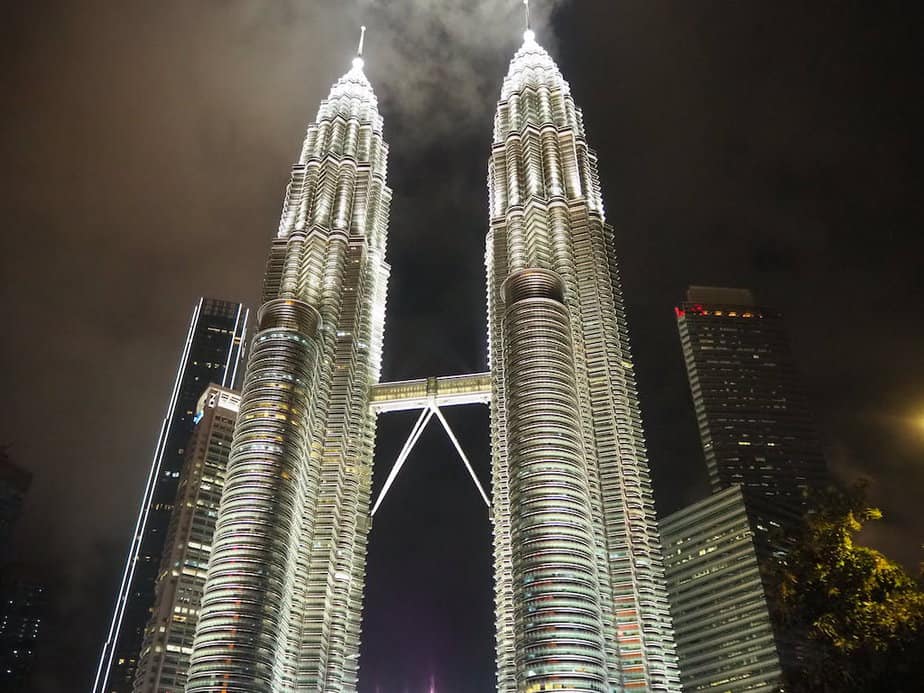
<point>339,179</point>
<point>532,66</point>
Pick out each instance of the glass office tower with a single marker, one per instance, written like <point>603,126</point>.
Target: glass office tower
<point>23,608</point>
<point>22,602</point>
<point>168,638</point>
<point>751,408</point>
<point>283,598</point>
<point>581,603</point>
<point>212,352</point>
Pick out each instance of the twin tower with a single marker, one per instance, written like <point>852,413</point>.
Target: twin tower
<point>579,589</point>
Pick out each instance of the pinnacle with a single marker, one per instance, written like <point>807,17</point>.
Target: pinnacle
<point>531,65</point>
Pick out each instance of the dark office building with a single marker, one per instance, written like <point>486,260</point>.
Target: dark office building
<point>212,353</point>
<point>751,409</point>
<point>14,483</point>
<point>762,455</point>
<point>22,610</point>
<point>21,602</point>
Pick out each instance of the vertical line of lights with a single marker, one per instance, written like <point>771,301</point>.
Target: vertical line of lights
<point>105,662</point>
<point>241,349</point>
<point>231,350</point>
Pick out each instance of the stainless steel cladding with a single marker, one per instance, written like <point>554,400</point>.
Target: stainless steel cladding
<point>557,611</point>
<point>283,596</point>
<point>579,582</point>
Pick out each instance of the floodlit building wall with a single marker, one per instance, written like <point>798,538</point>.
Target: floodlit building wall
<point>579,583</point>
<point>282,605</point>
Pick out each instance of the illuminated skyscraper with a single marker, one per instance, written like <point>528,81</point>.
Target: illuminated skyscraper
<point>22,601</point>
<point>212,352</point>
<point>282,603</point>
<point>580,594</point>
<point>168,637</point>
<point>23,605</point>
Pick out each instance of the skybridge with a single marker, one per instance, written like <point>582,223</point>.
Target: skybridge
<point>428,396</point>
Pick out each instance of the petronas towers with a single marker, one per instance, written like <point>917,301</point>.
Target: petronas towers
<point>580,597</point>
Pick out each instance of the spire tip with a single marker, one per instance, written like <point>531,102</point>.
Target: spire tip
<point>358,62</point>
<point>362,41</point>
<point>529,34</point>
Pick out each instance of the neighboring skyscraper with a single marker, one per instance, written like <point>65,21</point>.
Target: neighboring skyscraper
<point>22,602</point>
<point>14,484</point>
<point>212,353</point>
<point>751,409</point>
<point>762,455</point>
<point>580,594</point>
<point>725,635</point>
<point>22,609</point>
<point>168,638</point>
<point>288,558</point>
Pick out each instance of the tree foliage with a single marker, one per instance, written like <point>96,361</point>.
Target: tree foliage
<point>857,616</point>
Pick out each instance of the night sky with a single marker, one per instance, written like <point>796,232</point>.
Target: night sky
<point>145,148</point>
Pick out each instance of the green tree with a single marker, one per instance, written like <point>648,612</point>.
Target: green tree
<point>857,616</point>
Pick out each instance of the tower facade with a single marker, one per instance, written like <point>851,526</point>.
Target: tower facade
<point>23,607</point>
<point>212,352</point>
<point>282,602</point>
<point>168,637</point>
<point>751,409</point>
<point>580,597</point>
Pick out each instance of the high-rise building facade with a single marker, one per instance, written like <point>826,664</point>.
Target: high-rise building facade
<point>725,634</point>
<point>14,484</point>
<point>212,352</point>
<point>283,597</point>
<point>581,603</point>
<point>751,409</point>
<point>168,637</point>
<point>22,601</point>
<point>23,606</point>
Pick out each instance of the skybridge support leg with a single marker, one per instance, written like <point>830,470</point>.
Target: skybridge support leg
<point>422,421</point>
<point>468,465</point>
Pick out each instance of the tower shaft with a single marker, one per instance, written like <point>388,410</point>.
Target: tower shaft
<point>547,220</point>
<point>283,596</point>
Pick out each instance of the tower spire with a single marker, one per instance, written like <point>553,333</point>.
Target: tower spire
<point>358,62</point>
<point>529,34</point>
<point>362,41</point>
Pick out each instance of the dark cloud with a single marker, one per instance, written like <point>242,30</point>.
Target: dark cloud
<point>145,148</point>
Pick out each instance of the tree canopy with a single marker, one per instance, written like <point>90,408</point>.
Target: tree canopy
<point>858,617</point>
